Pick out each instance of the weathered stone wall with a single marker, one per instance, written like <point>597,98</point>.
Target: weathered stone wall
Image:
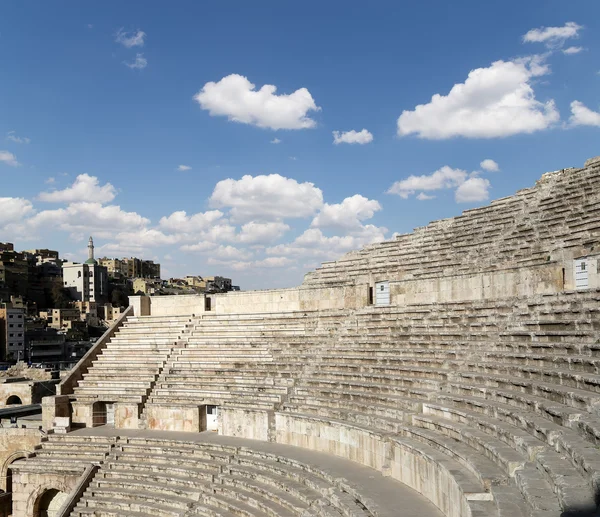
<point>29,487</point>
<point>505,283</point>
<point>167,305</point>
<point>244,423</point>
<point>16,443</point>
<point>254,302</point>
<point>163,418</point>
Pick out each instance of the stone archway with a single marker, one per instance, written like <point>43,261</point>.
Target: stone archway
<point>6,472</point>
<point>13,400</point>
<point>49,503</point>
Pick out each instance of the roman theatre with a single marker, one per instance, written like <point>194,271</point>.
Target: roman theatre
<point>452,371</point>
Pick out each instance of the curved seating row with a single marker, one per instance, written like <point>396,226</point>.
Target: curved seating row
<point>144,476</point>
<point>558,213</point>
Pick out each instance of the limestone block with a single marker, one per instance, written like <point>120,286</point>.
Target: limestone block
<point>126,416</point>
<point>53,407</point>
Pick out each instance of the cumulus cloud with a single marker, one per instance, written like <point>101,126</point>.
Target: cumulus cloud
<point>130,39</point>
<point>199,246</point>
<point>262,233</point>
<point>266,197</point>
<point>9,159</point>
<point>424,197</point>
<point>144,238</point>
<point>469,187</point>
<point>275,141</point>
<point>315,244</point>
<point>81,218</point>
<point>180,222</point>
<point>553,37</point>
<point>235,97</point>
<point>183,168</point>
<point>444,178</point>
<point>472,190</point>
<point>572,50</point>
<point>581,115</point>
<point>489,165</point>
<point>139,63</point>
<point>346,215</point>
<point>497,101</point>
<point>352,137</point>
<point>84,188</point>
<point>17,139</point>
<point>269,262</point>
<point>14,209</point>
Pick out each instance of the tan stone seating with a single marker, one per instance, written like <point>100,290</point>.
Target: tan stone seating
<point>144,476</point>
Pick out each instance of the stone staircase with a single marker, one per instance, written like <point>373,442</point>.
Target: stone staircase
<point>533,227</point>
<point>126,370</point>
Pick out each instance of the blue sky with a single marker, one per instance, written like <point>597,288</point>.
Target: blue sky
<point>102,103</point>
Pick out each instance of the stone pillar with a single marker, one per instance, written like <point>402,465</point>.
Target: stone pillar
<point>82,414</point>
<point>54,407</point>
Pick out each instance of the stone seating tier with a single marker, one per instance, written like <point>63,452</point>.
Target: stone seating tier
<point>500,399</point>
<point>559,213</point>
<point>177,478</point>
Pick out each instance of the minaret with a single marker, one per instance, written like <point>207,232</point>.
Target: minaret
<point>91,250</point>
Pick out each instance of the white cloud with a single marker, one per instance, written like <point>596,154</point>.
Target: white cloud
<point>572,50</point>
<point>266,197</point>
<point>180,222</point>
<point>85,188</point>
<point>581,115</point>
<point>444,178</point>
<point>346,215</point>
<point>553,37</point>
<point>472,190</point>
<point>14,210</point>
<point>50,180</point>
<point>184,168</point>
<point>139,63</point>
<point>262,233</point>
<point>496,101</point>
<point>17,139</point>
<point>200,246</point>
<point>145,238</point>
<point>130,39</point>
<point>275,141</point>
<point>269,262</point>
<point>9,159</point>
<point>489,165</point>
<point>313,243</point>
<point>230,253</point>
<point>352,137</point>
<point>235,97</point>
<point>81,218</point>
<point>424,197</point>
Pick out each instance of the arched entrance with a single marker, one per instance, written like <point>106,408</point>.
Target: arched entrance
<point>49,503</point>
<point>13,400</point>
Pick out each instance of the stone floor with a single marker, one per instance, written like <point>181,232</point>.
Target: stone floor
<point>394,499</point>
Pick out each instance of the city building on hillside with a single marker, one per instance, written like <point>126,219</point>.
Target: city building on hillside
<point>44,255</point>
<point>14,272</point>
<point>130,268</point>
<point>12,332</point>
<point>87,282</point>
<point>43,345</point>
<point>146,285</point>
